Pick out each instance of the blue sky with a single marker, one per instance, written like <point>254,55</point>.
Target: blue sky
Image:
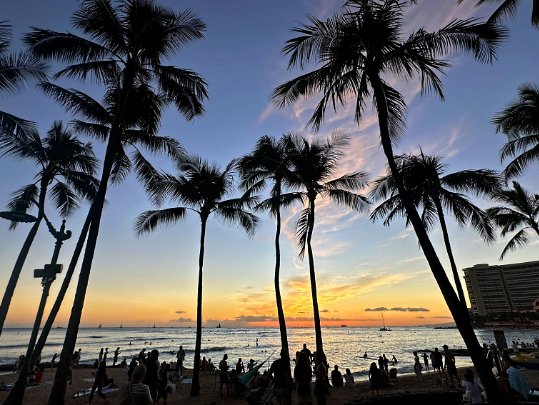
<point>359,264</point>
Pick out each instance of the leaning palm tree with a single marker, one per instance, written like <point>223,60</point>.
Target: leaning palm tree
<point>16,70</point>
<point>508,8</point>
<point>520,122</point>
<point>432,191</point>
<point>519,212</point>
<point>97,122</point>
<point>353,67</point>
<point>202,188</point>
<point>270,161</point>
<point>123,48</point>
<point>315,165</point>
<point>66,174</point>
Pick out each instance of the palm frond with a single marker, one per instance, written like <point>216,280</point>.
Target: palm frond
<point>302,229</point>
<point>518,240</point>
<point>19,69</point>
<point>148,221</point>
<point>64,198</point>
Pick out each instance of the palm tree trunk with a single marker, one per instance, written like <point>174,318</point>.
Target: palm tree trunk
<point>16,395</point>
<point>278,300</point>
<point>63,372</point>
<point>443,225</point>
<point>195,385</point>
<point>61,294</point>
<point>458,311</point>
<point>314,294</point>
<point>16,272</point>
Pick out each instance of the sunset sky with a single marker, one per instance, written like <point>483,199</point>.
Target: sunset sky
<point>362,267</point>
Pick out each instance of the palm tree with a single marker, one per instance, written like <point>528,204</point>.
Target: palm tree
<point>123,48</point>
<point>508,8</point>
<point>202,188</point>
<point>520,122</point>
<point>270,161</point>
<point>16,70</point>
<point>354,63</point>
<point>97,123</point>
<point>423,177</point>
<point>66,168</point>
<point>520,211</point>
<point>314,165</point>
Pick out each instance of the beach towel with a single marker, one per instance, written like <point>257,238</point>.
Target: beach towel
<point>86,391</point>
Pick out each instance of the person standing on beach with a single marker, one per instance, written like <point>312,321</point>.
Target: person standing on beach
<point>99,381</point>
<point>307,352</point>
<point>100,357</point>
<point>426,361</point>
<point>303,374</point>
<point>223,375</point>
<point>321,379</point>
<point>180,357</point>
<point>374,378</point>
<point>417,367</point>
<point>437,361</point>
<point>282,378</point>
<point>53,361</point>
<point>451,366</point>
<point>152,372</point>
<point>115,358</point>
<point>336,377</point>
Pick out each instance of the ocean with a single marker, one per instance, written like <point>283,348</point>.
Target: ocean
<point>344,346</point>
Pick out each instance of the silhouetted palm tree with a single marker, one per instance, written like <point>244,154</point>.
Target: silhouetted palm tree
<point>424,179</point>
<point>519,212</point>
<point>123,48</point>
<point>98,123</point>
<point>520,122</point>
<point>202,188</point>
<point>315,165</point>
<point>508,8</point>
<point>66,169</point>
<point>270,161</point>
<point>16,70</point>
<point>356,49</point>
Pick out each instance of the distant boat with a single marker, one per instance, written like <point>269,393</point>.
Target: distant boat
<point>383,328</point>
<point>343,326</point>
<point>218,326</point>
<point>121,325</point>
<point>154,325</point>
<point>99,326</point>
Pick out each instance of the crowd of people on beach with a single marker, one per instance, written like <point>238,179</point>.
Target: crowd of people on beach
<point>151,380</point>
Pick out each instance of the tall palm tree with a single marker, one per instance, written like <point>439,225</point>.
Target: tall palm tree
<point>508,8</point>
<point>97,122</point>
<point>315,165</point>
<point>202,188</point>
<point>520,211</point>
<point>520,122</point>
<point>16,70</point>
<point>270,161</point>
<point>431,190</point>
<point>123,48</point>
<point>66,169</point>
<point>354,63</point>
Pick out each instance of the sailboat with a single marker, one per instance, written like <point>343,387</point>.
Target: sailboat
<point>121,325</point>
<point>99,326</point>
<point>383,328</point>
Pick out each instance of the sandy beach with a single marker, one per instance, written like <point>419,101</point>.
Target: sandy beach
<point>407,387</point>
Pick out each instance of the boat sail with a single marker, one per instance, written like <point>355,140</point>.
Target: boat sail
<point>383,328</point>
